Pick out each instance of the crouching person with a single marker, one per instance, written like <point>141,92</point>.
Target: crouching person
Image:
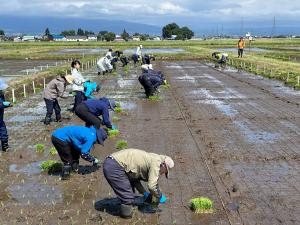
<point>90,89</point>
<point>124,171</point>
<point>3,105</point>
<point>54,90</point>
<point>73,142</point>
<point>221,58</point>
<point>90,110</point>
<point>104,65</point>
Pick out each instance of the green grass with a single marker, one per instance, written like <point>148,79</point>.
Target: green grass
<point>118,109</point>
<point>201,205</point>
<point>118,104</point>
<point>40,148</point>
<point>113,133</point>
<point>166,86</point>
<point>121,144</point>
<point>51,166</point>
<point>155,98</point>
<point>115,119</point>
<point>53,151</point>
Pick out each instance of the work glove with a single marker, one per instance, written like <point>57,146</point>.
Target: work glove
<point>148,198</point>
<point>96,162</point>
<point>7,104</point>
<point>114,127</point>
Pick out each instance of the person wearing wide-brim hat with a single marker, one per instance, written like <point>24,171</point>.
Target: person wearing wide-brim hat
<point>124,170</point>
<point>3,104</point>
<point>73,142</point>
<point>54,90</point>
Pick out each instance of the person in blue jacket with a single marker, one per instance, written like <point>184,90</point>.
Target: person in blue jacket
<point>73,142</point>
<point>90,110</point>
<point>90,88</point>
<point>3,104</point>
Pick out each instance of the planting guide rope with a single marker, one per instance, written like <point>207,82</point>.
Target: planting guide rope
<point>204,160</point>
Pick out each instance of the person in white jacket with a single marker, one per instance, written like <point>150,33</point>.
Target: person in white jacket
<point>104,65</point>
<point>77,85</point>
<point>109,54</point>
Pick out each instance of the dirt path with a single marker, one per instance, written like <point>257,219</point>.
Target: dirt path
<point>234,138</point>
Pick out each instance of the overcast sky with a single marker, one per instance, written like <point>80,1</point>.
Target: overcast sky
<point>157,12</point>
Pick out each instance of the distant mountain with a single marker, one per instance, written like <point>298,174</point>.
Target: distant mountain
<point>37,25</point>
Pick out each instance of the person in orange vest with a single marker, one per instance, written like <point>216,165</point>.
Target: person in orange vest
<point>241,46</point>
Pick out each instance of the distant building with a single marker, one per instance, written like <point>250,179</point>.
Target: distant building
<point>76,38</point>
<point>119,38</point>
<point>135,38</point>
<point>58,37</point>
<point>92,38</point>
<point>156,39</point>
<point>28,38</point>
<point>17,39</point>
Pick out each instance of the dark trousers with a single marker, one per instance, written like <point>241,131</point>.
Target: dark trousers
<point>147,85</point>
<point>79,98</point>
<point>3,133</point>
<point>50,105</point>
<point>66,152</point>
<point>118,180</point>
<point>124,61</point>
<point>240,52</point>
<point>82,111</point>
<point>135,58</point>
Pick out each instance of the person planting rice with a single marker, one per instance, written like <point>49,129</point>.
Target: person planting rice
<point>115,57</point>
<point>151,80</point>
<point>220,57</point>
<point>73,142</point>
<point>137,55</point>
<point>78,82</point>
<point>241,46</point>
<point>147,59</point>
<point>90,110</point>
<point>54,90</point>
<point>124,60</point>
<point>3,105</point>
<point>124,171</point>
<point>90,88</point>
<point>104,65</point>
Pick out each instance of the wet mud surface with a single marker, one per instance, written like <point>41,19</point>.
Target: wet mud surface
<point>234,138</point>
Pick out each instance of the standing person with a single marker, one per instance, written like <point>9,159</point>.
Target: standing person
<point>241,46</point>
<point>78,82</point>
<point>124,170</point>
<point>90,110</point>
<point>3,105</point>
<point>137,55</point>
<point>54,90</point>
<point>73,142</point>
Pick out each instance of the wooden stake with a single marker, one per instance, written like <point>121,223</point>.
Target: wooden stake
<point>13,96</point>
<point>33,86</point>
<point>24,89</point>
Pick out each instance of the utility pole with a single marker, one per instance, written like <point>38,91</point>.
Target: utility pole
<point>273,27</point>
<point>242,26</point>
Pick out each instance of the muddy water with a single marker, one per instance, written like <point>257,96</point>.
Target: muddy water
<point>155,50</point>
<point>248,131</point>
<point>87,51</point>
<point>245,51</point>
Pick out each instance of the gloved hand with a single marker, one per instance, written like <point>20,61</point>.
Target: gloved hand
<point>7,104</point>
<point>162,199</point>
<point>71,95</point>
<point>96,162</point>
<point>165,82</point>
<point>114,127</point>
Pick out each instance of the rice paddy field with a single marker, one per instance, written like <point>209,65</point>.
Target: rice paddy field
<point>232,131</point>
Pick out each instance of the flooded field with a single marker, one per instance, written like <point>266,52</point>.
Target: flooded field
<point>155,50</point>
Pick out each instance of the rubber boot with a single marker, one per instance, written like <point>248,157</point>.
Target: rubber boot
<point>47,120</point>
<point>4,146</point>
<point>75,166</point>
<point>58,119</point>
<point>126,211</point>
<point>99,73</point>
<point>66,171</point>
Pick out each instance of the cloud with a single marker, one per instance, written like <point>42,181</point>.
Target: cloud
<point>155,11</point>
